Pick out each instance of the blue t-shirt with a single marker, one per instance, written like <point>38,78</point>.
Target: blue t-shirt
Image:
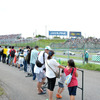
<point>86,55</point>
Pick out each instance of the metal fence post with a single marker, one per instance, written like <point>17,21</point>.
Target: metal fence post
<point>82,85</point>
<point>84,55</point>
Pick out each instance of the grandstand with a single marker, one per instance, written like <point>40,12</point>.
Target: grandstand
<point>9,39</point>
<point>14,39</point>
<point>89,43</point>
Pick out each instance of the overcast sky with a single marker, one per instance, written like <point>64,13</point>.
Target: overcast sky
<point>40,16</point>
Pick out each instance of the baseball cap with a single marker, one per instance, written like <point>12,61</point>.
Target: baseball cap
<point>48,48</point>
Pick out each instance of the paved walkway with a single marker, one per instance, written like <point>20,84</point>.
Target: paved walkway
<point>19,87</point>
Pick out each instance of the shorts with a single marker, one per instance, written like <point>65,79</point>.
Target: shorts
<point>51,83</point>
<point>72,90</point>
<point>40,76</point>
<point>60,85</point>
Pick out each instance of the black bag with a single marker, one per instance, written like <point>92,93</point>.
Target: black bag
<point>38,63</point>
<point>12,53</point>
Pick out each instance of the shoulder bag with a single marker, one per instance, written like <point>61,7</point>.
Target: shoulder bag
<point>69,77</point>
<point>38,63</point>
<point>56,73</point>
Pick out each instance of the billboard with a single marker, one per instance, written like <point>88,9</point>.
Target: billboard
<point>75,34</point>
<point>58,33</point>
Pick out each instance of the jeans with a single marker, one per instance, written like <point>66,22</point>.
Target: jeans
<point>11,60</point>
<point>25,65</point>
<point>4,58</point>
<point>34,75</point>
<point>0,57</point>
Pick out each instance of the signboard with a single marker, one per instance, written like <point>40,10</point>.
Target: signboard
<point>75,34</point>
<point>58,33</point>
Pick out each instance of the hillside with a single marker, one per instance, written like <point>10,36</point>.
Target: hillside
<point>41,43</point>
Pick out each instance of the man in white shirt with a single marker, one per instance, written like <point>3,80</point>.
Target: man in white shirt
<point>40,73</point>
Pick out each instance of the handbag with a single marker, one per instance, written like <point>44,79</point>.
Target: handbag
<point>69,77</point>
<point>56,73</point>
<point>38,63</point>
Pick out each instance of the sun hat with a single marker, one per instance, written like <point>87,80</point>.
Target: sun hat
<point>48,48</point>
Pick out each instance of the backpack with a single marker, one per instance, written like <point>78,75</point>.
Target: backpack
<point>12,53</point>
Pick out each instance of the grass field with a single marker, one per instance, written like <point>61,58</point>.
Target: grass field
<point>88,66</point>
<point>71,57</point>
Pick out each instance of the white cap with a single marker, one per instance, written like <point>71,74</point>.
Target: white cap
<point>48,47</point>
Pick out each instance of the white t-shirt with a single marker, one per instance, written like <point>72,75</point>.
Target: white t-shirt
<point>8,51</point>
<point>54,65</point>
<point>40,58</point>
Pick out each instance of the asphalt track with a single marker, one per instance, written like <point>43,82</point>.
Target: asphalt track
<point>19,87</point>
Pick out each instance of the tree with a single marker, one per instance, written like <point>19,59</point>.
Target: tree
<point>37,36</point>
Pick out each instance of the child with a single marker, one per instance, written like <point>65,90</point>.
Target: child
<point>72,86</point>
<point>21,59</point>
<point>61,85</point>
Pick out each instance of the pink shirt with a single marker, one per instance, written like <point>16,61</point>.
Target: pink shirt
<point>74,81</point>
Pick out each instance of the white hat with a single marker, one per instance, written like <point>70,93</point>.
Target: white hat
<point>48,47</point>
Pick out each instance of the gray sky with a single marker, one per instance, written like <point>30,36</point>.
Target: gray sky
<point>39,16</point>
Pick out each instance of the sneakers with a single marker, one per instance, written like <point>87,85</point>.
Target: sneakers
<point>58,96</point>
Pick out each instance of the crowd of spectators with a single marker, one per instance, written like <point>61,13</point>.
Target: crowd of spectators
<point>89,43</point>
<point>13,38</point>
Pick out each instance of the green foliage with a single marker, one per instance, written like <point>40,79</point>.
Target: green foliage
<point>56,37</point>
<point>41,43</point>
<point>29,37</point>
<point>37,36</point>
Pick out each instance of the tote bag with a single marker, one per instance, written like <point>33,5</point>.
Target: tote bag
<point>69,77</point>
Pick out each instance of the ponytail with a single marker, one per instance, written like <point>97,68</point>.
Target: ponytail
<point>51,52</point>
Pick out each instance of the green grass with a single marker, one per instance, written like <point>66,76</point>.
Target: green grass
<point>88,66</point>
<point>41,43</point>
<point>71,57</point>
<point>1,91</point>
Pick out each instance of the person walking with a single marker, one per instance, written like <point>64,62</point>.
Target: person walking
<point>33,58</point>
<point>40,71</point>
<point>51,68</point>
<point>72,86</point>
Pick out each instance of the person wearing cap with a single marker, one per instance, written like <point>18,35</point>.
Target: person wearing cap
<point>40,72</point>
<point>86,56</point>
